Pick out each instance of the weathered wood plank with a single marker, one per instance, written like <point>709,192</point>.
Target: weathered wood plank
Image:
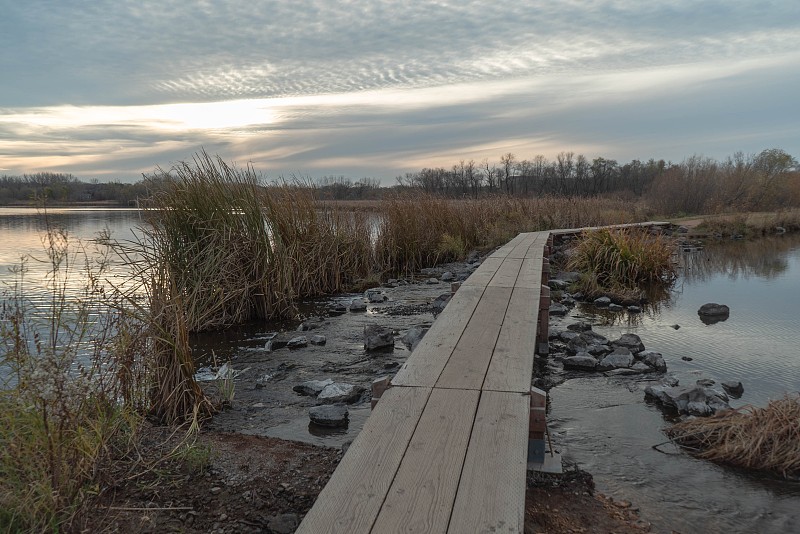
<point>484,273</point>
<point>521,249</point>
<point>467,365</point>
<point>511,367</point>
<point>530,275</point>
<point>422,494</point>
<point>507,273</point>
<point>351,500</point>
<point>425,364</point>
<point>491,493</point>
<point>503,251</point>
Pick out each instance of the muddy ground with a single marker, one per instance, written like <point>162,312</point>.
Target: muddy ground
<point>258,465</point>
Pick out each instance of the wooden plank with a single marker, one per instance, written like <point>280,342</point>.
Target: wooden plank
<point>491,493</point>
<point>351,500</point>
<point>511,367</point>
<point>503,251</point>
<point>521,248</point>
<point>484,273</point>
<point>422,494</point>
<point>467,366</point>
<point>425,364</point>
<point>530,275</point>
<point>507,273</point>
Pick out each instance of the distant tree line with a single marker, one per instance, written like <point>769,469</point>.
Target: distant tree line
<point>767,180</point>
<point>60,188</point>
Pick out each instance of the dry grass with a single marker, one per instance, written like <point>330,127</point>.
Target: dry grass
<point>754,438</point>
<point>622,261</point>
<point>751,224</point>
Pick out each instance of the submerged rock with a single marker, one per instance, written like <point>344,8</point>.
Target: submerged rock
<point>331,416</point>
<point>713,309</point>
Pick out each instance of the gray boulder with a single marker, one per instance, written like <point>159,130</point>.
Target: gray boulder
<point>330,416</point>
<point>566,336</point>
<point>691,400</point>
<point>447,277</point>
<point>340,392</point>
<point>357,305</point>
<point>439,303</point>
<point>615,307</point>
<point>620,358</point>
<point>580,326</point>
<point>632,342</point>
<point>432,281</point>
<point>733,388</point>
<point>558,310</point>
<point>312,388</point>
<point>377,337</point>
<point>318,339</point>
<point>297,342</point>
<point>653,359</point>
<point>634,309</point>
<point>374,295</point>
<point>557,285</point>
<point>581,362</point>
<point>602,302</point>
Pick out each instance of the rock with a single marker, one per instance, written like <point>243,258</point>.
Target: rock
<point>692,400</point>
<point>642,367</point>
<point>568,301</point>
<point>283,523</point>
<point>615,307</point>
<point>374,295</point>
<point>558,310</point>
<point>340,392</point>
<point>581,362</point>
<point>581,326</point>
<point>432,281</point>
<point>620,358</point>
<point>687,358</point>
<point>780,230</point>
<point>713,309</point>
<point>215,490</point>
<point>447,277</point>
<point>337,309</point>
<point>413,336</point>
<point>377,337</point>
<point>311,323</point>
<point>357,305</point>
<point>670,381</point>
<point>318,340</point>
<point>653,359</point>
<point>297,342</point>
<point>439,303</point>
<point>568,276</point>
<point>733,388</point>
<point>312,388</point>
<point>263,380</point>
<point>634,309</point>
<point>557,285</point>
<point>590,342</point>
<point>675,326</point>
<point>705,382</point>
<point>683,230</point>
<point>602,302</point>
<point>330,416</point>
<point>566,336</point>
<point>632,342</point>
<point>578,296</point>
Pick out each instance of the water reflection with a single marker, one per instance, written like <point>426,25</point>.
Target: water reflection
<point>763,258</point>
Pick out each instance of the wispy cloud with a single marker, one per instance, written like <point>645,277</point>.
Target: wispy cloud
<point>378,87</point>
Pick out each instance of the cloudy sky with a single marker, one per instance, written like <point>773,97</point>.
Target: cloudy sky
<point>110,89</point>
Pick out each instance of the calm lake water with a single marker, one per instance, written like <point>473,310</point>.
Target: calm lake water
<point>604,424</point>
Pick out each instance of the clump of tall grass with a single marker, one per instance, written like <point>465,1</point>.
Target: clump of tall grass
<point>622,261</point>
<point>754,438</point>
<point>233,250</point>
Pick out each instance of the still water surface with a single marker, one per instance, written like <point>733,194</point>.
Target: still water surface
<point>604,424</point>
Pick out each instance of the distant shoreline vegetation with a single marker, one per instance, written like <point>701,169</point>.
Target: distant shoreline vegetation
<point>768,180</point>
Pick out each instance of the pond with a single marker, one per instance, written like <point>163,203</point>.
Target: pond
<point>605,426</point>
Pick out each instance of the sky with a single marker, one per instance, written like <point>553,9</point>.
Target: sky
<point>112,89</point>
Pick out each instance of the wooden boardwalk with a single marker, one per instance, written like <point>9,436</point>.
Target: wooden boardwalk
<point>445,449</point>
